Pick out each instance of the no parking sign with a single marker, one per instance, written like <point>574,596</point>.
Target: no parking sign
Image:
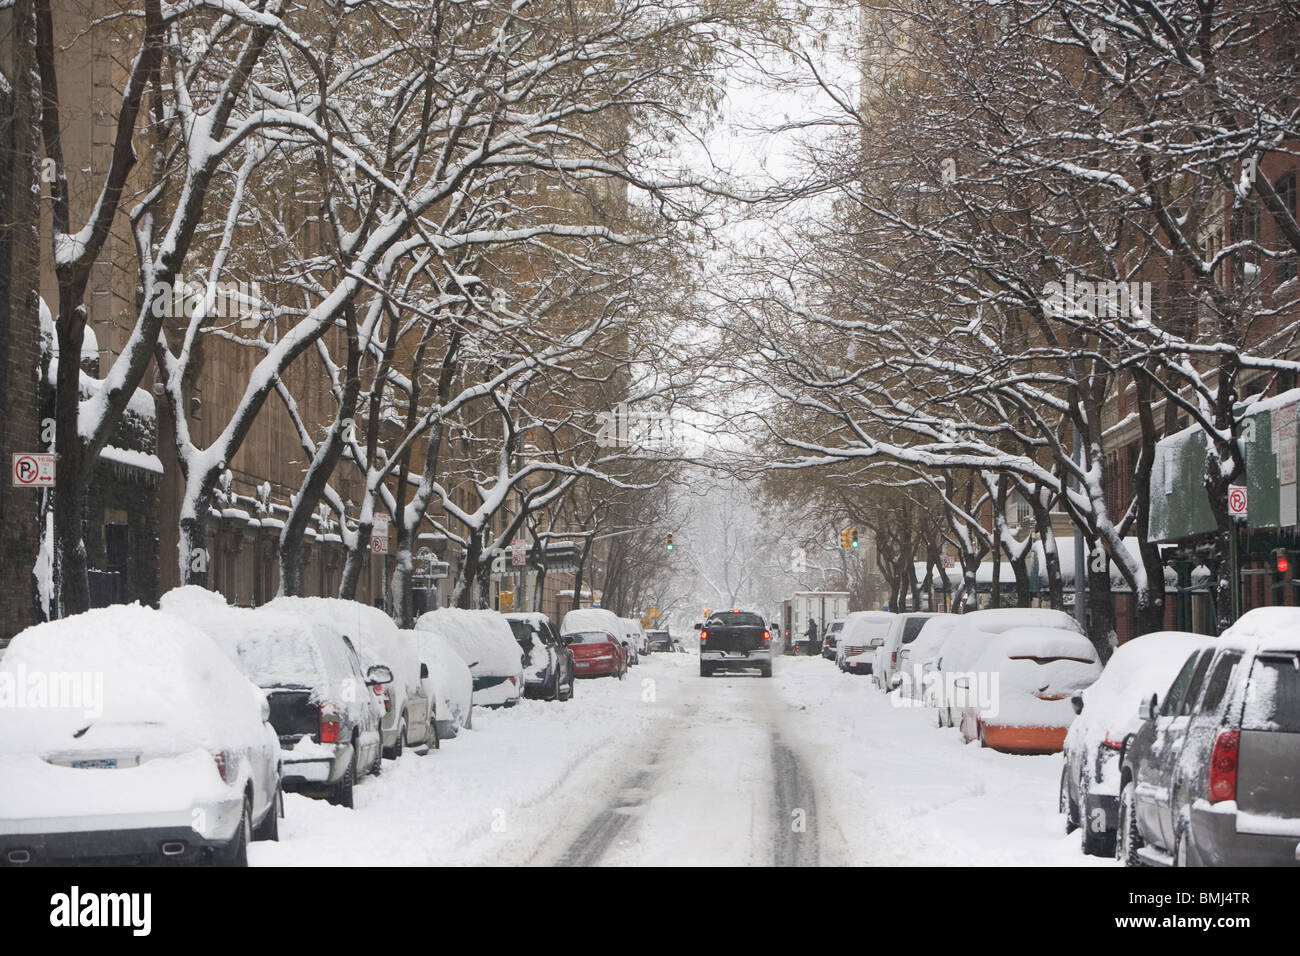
<point>1238,501</point>
<point>33,470</point>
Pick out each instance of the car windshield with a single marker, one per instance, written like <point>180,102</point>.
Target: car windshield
<point>736,619</point>
<point>586,637</point>
<point>523,633</point>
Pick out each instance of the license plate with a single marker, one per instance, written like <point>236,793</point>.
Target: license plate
<point>94,764</point>
<point>582,664</point>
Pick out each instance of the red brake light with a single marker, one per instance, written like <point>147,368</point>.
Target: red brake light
<point>767,635</point>
<point>1223,766</point>
<point>704,636</point>
<point>329,724</point>
<point>224,764</point>
<point>1112,744</point>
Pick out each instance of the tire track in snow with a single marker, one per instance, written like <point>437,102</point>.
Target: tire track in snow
<point>795,837</point>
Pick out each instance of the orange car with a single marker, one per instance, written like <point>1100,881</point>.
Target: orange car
<point>1017,698</point>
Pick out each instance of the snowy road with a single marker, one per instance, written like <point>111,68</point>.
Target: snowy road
<point>811,767</point>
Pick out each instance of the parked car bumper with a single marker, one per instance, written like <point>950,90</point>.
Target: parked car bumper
<point>176,843</point>
<point>59,815</point>
<point>1217,842</point>
<point>501,692</point>
<point>1024,740</point>
<point>721,659</point>
<point>597,667</point>
<point>858,665</point>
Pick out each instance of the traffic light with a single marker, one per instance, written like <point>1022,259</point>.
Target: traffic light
<point>844,538</point>
<point>668,542</point>
<point>853,537</point>
<point>1281,561</point>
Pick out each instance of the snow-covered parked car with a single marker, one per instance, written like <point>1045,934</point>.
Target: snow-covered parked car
<point>832,639</point>
<point>147,745</point>
<point>322,703</point>
<point>902,632</point>
<point>1108,718</point>
<point>449,684</point>
<point>409,718</point>
<point>589,619</point>
<point>1210,777</point>
<point>917,660</point>
<point>634,637</point>
<point>863,632</point>
<point>1018,700</point>
<point>548,664</point>
<point>486,644</point>
<point>967,642</point>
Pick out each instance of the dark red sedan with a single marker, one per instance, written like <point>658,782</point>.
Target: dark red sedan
<point>596,654</point>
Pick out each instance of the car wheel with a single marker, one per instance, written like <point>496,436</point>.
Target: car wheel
<point>377,767</point>
<point>705,671</point>
<point>1129,839</point>
<point>766,671</point>
<point>269,830</point>
<point>236,853</point>
<point>343,790</point>
<point>1065,804</point>
<point>399,745</point>
<point>1090,841</point>
<point>1182,857</point>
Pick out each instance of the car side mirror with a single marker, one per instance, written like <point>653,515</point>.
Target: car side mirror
<point>698,625</point>
<point>1147,708</point>
<point>424,671</point>
<point>379,674</point>
<point>1076,701</point>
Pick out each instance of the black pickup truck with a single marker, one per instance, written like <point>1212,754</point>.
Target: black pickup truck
<point>731,640</point>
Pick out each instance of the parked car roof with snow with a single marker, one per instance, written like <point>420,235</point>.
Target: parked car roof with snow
<point>484,641</point>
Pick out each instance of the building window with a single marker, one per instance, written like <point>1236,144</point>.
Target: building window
<point>1286,192</point>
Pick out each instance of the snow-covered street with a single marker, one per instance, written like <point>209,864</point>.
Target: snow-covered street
<point>666,767</point>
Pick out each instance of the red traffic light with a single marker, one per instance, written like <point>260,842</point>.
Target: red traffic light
<point>1283,564</point>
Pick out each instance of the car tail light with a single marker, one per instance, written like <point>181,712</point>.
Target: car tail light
<point>767,635</point>
<point>329,724</point>
<point>513,681</point>
<point>704,636</point>
<point>225,765</point>
<point>1106,741</point>
<point>893,659</point>
<point>1223,766</point>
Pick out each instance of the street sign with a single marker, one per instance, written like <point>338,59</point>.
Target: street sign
<point>379,534</point>
<point>33,470</point>
<point>1238,501</point>
<point>652,613</point>
<point>518,553</point>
